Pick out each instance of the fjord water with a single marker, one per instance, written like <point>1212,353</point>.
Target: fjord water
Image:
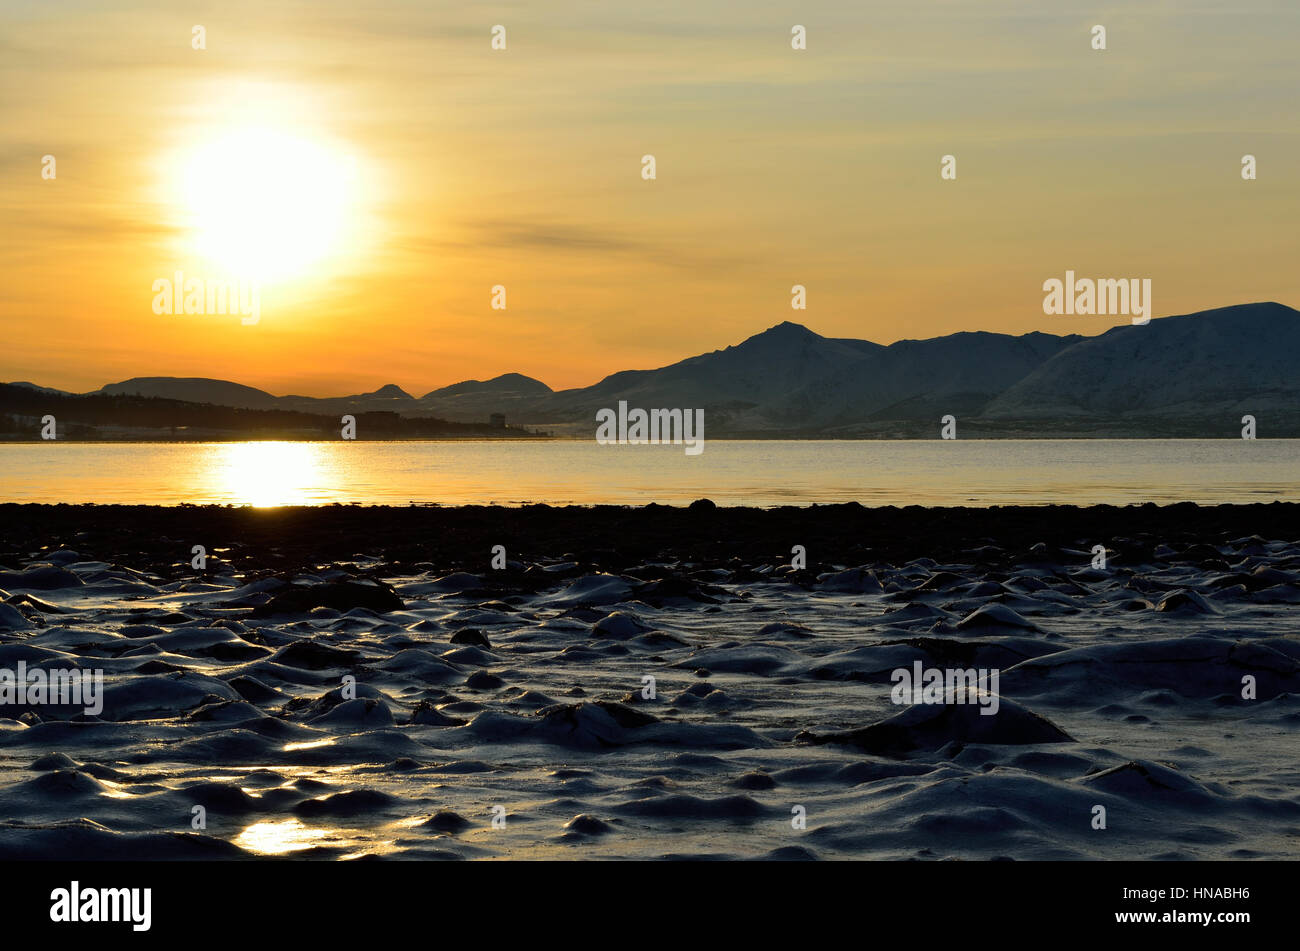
<point>731,472</point>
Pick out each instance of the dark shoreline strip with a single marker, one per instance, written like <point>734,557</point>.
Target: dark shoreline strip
<point>617,537</point>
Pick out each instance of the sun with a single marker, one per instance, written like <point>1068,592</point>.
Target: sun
<point>263,204</point>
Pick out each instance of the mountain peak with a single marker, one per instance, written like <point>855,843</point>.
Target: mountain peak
<point>507,384</point>
<point>518,379</point>
<point>788,328</point>
<point>390,391</point>
<point>785,334</point>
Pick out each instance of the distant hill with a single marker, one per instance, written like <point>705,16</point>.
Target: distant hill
<point>100,416</point>
<point>1176,376</point>
<point>915,379</point>
<point>508,384</point>
<point>39,389</point>
<point>735,382</point>
<point>1231,360</point>
<point>511,393</point>
<point>193,390</point>
<point>389,391</point>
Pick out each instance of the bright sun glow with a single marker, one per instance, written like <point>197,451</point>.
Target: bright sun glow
<point>265,205</point>
<point>267,473</point>
<point>277,838</point>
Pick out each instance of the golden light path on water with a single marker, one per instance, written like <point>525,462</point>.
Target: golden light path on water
<point>285,836</point>
<point>280,836</point>
<point>289,835</point>
<point>268,473</point>
<point>582,472</point>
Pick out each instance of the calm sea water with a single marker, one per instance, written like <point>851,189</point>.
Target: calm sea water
<point>731,472</point>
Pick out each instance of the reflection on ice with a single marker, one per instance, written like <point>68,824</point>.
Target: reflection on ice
<point>277,838</point>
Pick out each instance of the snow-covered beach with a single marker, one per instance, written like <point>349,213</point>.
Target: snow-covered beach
<point>654,687</point>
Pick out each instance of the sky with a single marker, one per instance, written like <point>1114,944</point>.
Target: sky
<point>377,169</point>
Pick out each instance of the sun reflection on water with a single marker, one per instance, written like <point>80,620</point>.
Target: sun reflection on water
<point>265,474</point>
<point>277,838</point>
<point>283,836</point>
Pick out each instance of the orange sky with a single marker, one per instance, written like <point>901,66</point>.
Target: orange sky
<point>469,167</point>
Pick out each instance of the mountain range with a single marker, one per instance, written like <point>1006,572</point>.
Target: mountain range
<point>1195,374</point>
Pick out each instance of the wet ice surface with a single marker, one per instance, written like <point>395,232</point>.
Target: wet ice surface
<point>481,697</point>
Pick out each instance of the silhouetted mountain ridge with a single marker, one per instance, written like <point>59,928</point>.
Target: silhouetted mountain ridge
<point>1173,376</point>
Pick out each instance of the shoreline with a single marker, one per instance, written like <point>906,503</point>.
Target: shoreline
<point>616,537</point>
<point>915,435</point>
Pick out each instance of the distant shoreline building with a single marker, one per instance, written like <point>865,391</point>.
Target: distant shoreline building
<point>497,420</point>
